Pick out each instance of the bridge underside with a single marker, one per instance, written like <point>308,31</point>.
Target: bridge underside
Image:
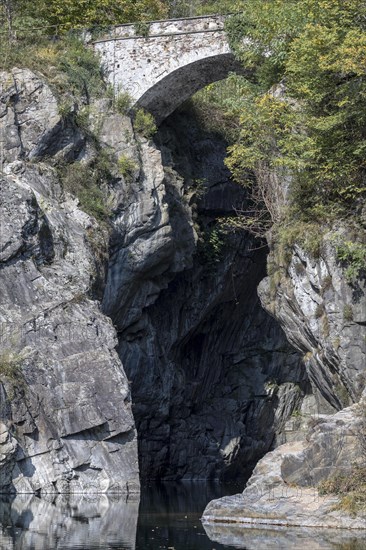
<point>168,93</point>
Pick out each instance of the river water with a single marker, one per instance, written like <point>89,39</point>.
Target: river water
<point>167,517</point>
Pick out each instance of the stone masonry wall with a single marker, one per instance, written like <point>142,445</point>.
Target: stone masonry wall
<point>175,59</point>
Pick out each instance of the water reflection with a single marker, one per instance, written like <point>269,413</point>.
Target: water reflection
<point>286,538</point>
<point>68,522</point>
<point>168,517</point>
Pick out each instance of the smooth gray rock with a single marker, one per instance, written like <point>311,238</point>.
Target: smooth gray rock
<point>65,401</point>
<point>148,246</point>
<point>282,489</point>
<point>70,521</point>
<point>324,317</point>
<point>31,125</point>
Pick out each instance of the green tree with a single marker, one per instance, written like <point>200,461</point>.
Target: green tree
<point>191,8</point>
<point>61,16</point>
<point>7,9</point>
<point>69,14</point>
<point>10,12</point>
<point>313,126</point>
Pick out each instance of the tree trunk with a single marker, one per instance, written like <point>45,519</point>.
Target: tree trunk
<point>8,10</point>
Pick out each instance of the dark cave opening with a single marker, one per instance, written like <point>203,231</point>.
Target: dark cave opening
<point>214,379</point>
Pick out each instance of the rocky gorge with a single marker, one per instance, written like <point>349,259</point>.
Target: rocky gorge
<point>138,348</point>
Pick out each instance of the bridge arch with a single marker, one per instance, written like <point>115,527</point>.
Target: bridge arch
<point>172,90</point>
<point>163,69</point>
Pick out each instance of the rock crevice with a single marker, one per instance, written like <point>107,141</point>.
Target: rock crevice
<point>64,391</point>
<point>216,380</point>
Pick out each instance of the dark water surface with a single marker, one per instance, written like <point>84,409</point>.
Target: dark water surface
<point>170,516</point>
<point>167,517</point>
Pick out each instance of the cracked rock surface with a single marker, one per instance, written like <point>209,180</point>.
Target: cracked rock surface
<point>214,380</point>
<point>282,489</point>
<point>65,406</point>
<point>324,317</point>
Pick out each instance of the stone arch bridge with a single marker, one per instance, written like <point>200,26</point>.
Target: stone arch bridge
<point>167,64</point>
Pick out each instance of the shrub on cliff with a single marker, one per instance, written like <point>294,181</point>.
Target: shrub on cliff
<point>85,181</point>
<point>57,17</point>
<point>190,8</point>
<point>313,125</point>
<point>10,366</point>
<point>144,123</point>
<point>351,489</point>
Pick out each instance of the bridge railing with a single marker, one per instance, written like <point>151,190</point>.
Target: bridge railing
<point>166,27</point>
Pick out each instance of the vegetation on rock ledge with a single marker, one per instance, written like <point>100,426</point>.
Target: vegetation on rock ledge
<point>59,17</point>
<point>298,116</point>
<point>351,487</point>
<point>10,366</point>
<point>304,112</point>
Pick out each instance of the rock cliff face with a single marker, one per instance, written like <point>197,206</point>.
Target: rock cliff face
<point>282,489</point>
<point>311,302</point>
<point>214,380</point>
<point>65,405</point>
<point>324,317</point>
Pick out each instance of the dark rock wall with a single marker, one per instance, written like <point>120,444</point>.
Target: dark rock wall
<point>213,378</point>
<point>215,383</point>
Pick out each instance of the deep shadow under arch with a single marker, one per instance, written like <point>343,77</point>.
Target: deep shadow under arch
<point>167,94</point>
